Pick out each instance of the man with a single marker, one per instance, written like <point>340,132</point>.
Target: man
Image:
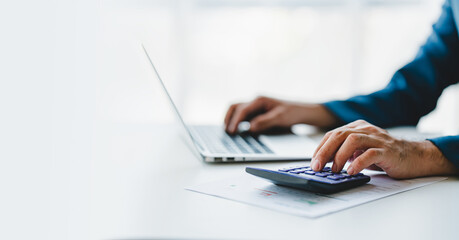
<point>412,93</point>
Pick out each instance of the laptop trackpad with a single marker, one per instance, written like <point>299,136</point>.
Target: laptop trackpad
<point>290,144</point>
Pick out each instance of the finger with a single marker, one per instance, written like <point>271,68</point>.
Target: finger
<point>229,114</point>
<point>322,142</point>
<point>368,158</point>
<point>329,148</point>
<point>242,111</point>
<point>353,143</point>
<point>265,121</point>
<point>349,128</point>
<point>355,155</point>
<point>325,138</point>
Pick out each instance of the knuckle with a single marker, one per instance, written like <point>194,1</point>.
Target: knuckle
<point>369,128</point>
<point>383,152</point>
<point>240,112</point>
<point>279,113</point>
<point>231,109</point>
<point>281,108</point>
<point>260,98</point>
<point>371,153</point>
<point>354,137</point>
<point>237,109</point>
<point>385,135</point>
<point>373,128</point>
<point>339,133</point>
<point>243,110</point>
<point>238,104</point>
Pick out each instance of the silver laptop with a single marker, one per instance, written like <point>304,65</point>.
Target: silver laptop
<point>215,145</point>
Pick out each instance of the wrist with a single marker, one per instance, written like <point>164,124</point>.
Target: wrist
<point>433,161</point>
<point>317,115</point>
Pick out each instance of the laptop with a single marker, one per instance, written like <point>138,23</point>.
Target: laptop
<point>215,145</point>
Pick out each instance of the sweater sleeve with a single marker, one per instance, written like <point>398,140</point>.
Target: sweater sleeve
<point>414,89</point>
<point>449,146</point>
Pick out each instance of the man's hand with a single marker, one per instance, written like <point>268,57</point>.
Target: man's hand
<point>368,146</point>
<point>265,113</point>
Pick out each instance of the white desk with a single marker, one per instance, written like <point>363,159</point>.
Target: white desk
<point>138,182</point>
<point>69,67</point>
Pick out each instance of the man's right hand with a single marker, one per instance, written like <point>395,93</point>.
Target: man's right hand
<point>265,113</point>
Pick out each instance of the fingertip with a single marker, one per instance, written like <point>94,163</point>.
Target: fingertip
<point>316,165</point>
<point>334,167</point>
<point>232,128</point>
<point>350,170</point>
<point>227,130</point>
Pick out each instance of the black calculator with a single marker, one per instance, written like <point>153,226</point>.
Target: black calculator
<point>303,177</point>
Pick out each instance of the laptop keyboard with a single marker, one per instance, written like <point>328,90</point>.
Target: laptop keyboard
<point>218,141</point>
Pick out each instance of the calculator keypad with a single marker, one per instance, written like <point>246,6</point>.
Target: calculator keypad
<point>303,177</point>
<point>325,173</point>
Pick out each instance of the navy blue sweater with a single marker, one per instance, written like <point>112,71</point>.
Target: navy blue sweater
<point>414,89</point>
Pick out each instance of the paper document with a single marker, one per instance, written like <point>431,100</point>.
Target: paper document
<point>256,191</point>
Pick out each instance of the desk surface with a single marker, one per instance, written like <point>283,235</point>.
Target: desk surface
<point>69,67</point>
<point>138,191</point>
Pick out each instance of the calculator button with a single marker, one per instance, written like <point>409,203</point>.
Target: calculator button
<point>310,172</point>
<point>335,177</point>
<point>298,171</point>
<point>322,174</point>
<point>294,168</point>
<point>326,169</point>
<point>284,170</point>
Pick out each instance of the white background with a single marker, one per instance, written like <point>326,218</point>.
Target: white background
<point>69,67</point>
<point>213,53</point>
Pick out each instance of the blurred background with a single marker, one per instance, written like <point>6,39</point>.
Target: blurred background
<point>70,68</point>
<point>214,53</point>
